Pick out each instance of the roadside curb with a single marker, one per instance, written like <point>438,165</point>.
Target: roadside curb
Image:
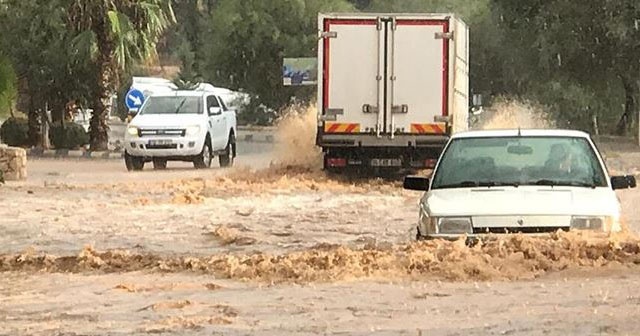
<point>74,154</point>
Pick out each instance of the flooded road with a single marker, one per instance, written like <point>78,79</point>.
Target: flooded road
<point>281,249</point>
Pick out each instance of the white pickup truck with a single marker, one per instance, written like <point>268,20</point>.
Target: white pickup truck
<point>182,125</point>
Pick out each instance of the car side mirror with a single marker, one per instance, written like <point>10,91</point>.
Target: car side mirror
<point>418,183</point>
<point>623,182</point>
<point>215,110</point>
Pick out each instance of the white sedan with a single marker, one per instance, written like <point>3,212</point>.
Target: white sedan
<point>518,181</point>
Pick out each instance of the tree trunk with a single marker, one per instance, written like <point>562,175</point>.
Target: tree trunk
<point>630,92</point>
<point>98,128</point>
<point>35,136</point>
<point>99,137</point>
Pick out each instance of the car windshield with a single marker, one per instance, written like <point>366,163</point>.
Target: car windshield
<point>519,160</point>
<point>173,105</point>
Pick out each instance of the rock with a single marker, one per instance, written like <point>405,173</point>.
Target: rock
<point>13,163</point>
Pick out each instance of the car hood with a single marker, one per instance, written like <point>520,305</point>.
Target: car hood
<point>167,120</point>
<point>523,200</point>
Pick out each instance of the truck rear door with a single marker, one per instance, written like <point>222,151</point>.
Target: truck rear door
<point>352,74</point>
<point>384,76</point>
<point>418,76</point>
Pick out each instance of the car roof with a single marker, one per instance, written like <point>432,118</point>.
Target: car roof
<point>522,132</point>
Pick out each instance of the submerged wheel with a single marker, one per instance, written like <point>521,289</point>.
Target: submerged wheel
<point>159,164</point>
<point>203,160</point>
<point>133,162</point>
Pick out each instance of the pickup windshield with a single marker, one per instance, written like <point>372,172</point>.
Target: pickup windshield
<point>519,160</point>
<point>173,105</point>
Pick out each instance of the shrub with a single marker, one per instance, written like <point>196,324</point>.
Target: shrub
<point>69,136</point>
<point>15,132</point>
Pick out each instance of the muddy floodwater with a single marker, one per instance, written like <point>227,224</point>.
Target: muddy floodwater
<point>90,249</point>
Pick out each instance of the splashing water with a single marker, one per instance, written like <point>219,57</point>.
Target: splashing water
<point>509,113</point>
<point>296,134</point>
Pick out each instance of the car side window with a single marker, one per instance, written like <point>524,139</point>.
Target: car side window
<point>224,106</point>
<point>212,102</point>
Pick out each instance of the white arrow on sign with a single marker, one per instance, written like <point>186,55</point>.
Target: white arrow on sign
<point>135,100</point>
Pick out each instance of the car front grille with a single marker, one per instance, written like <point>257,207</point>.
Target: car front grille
<point>503,230</point>
<point>162,132</point>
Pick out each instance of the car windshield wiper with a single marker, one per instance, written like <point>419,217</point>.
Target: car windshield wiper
<point>471,184</point>
<point>552,183</point>
<point>181,104</point>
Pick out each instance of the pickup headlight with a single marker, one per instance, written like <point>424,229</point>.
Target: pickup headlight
<point>453,225</point>
<point>133,131</point>
<point>192,130</point>
<point>594,223</point>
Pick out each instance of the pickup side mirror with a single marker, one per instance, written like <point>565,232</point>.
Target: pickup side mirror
<point>623,182</point>
<point>476,105</point>
<point>418,183</point>
<point>477,100</point>
<point>215,110</point>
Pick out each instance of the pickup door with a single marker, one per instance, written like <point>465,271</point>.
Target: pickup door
<point>217,123</point>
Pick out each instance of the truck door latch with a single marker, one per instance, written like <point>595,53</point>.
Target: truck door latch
<point>444,36</point>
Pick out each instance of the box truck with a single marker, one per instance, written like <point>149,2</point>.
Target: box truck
<point>392,88</point>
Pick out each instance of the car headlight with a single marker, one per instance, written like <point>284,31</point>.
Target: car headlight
<point>133,131</point>
<point>453,225</point>
<point>192,130</point>
<point>594,223</point>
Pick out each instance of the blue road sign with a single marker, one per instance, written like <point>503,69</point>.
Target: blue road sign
<point>134,99</point>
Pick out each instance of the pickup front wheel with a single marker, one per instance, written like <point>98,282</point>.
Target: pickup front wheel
<point>159,164</point>
<point>133,162</point>
<point>203,160</point>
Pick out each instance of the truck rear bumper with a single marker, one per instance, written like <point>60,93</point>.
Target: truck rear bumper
<point>366,140</point>
<point>368,151</point>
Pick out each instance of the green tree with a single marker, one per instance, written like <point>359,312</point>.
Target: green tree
<point>247,40</point>
<point>33,36</point>
<point>115,34</point>
<point>591,48</point>
<point>8,87</point>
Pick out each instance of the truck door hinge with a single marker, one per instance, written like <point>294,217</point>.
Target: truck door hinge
<point>394,23</point>
<point>444,36</point>
<point>328,34</point>
<point>400,109</point>
<point>368,108</point>
<point>379,23</point>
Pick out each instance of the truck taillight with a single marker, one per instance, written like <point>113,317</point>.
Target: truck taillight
<point>336,162</point>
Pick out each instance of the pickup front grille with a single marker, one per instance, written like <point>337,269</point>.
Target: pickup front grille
<point>166,146</point>
<point>162,132</point>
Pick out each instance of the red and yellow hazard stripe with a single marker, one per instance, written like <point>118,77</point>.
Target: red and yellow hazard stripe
<point>428,128</point>
<point>341,128</point>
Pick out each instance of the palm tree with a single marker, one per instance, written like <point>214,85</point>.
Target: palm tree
<point>115,34</point>
<point>7,86</point>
